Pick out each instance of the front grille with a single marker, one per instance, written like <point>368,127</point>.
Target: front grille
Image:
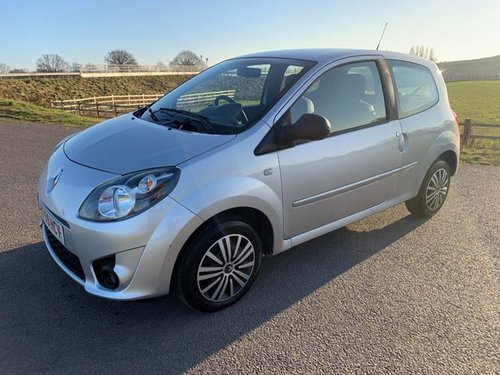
<point>69,259</point>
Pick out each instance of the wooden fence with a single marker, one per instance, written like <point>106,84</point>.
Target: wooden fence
<point>105,68</point>
<point>105,106</point>
<point>467,132</point>
<point>203,98</point>
<point>102,70</point>
<point>114,105</point>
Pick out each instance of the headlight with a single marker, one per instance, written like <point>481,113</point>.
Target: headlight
<point>127,195</point>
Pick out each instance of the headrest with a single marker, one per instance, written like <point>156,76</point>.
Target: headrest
<point>355,83</point>
<point>289,80</point>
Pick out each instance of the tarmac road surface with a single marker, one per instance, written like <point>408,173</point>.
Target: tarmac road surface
<point>388,294</point>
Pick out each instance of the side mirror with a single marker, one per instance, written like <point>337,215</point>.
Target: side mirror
<point>309,126</point>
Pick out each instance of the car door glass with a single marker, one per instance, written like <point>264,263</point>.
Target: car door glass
<point>349,96</point>
<point>416,89</point>
<point>290,76</point>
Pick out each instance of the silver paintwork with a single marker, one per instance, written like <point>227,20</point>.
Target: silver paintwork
<point>304,191</point>
<point>128,144</point>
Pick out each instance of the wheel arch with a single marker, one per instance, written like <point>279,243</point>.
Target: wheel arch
<point>451,158</point>
<point>252,216</point>
<point>445,147</point>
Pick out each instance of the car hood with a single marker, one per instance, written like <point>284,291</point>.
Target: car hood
<point>127,144</point>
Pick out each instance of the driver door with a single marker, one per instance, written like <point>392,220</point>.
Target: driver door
<point>353,169</point>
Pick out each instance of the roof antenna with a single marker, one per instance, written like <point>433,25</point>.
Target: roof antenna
<point>381,36</point>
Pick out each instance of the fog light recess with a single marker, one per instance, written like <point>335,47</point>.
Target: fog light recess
<point>104,271</point>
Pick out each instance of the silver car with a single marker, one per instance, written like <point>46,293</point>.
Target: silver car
<point>248,158</point>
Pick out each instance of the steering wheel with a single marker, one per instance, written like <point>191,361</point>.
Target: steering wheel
<point>223,97</point>
<point>242,115</point>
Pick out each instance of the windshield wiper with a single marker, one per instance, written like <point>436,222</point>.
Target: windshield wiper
<point>203,120</point>
<point>152,114</point>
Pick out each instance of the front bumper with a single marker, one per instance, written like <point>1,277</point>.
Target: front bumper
<point>144,247</point>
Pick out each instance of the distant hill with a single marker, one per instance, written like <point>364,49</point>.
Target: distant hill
<point>470,70</point>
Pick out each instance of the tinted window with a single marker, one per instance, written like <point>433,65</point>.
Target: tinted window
<point>348,96</point>
<point>415,86</point>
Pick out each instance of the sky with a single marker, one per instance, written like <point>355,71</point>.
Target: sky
<point>83,31</point>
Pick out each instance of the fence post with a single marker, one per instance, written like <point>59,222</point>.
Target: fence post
<point>467,133</point>
<point>79,108</point>
<point>97,108</point>
<point>114,107</point>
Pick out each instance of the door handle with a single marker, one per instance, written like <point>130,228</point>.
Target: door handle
<point>402,141</point>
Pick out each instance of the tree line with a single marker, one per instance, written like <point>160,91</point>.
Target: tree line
<point>425,52</point>
<point>52,63</point>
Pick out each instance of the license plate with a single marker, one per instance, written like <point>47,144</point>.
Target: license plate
<point>55,228</point>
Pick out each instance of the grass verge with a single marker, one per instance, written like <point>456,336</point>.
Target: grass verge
<point>18,110</point>
<point>481,151</point>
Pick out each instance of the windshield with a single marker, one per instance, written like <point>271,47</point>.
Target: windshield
<point>227,98</point>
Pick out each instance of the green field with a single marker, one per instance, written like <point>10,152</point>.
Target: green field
<point>477,100</point>
<point>480,102</point>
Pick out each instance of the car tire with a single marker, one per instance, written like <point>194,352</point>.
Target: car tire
<point>218,265</point>
<point>433,191</point>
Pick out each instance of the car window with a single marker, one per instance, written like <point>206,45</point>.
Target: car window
<point>246,90</point>
<point>228,97</point>
<point>349,96</point>
<point>290,76</point>
<point>415,86</point>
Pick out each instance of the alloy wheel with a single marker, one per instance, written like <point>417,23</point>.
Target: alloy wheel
<point>226,268</point>
<point>436,191</point>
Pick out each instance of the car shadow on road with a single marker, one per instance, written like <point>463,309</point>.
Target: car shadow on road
<point>49,324</point>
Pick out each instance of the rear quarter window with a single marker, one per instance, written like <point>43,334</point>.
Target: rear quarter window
<point>415,87</point>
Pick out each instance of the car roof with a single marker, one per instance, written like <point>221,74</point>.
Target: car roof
<point>324,55</point>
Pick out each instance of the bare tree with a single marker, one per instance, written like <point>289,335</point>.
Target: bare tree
<point>120,57</point>
<point>75,67</point>
<point>421,51</point>
<point>186,58</point>
<point>4,68</point>
<point>425,52</point>
<point>161,67</point>
<point>17,70</point>
<point>432,57</point>
<point>51,63</point>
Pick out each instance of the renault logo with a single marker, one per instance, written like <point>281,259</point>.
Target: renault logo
<point>54,179</point>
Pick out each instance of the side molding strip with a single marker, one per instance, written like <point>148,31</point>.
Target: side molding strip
<point>354,185</point>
